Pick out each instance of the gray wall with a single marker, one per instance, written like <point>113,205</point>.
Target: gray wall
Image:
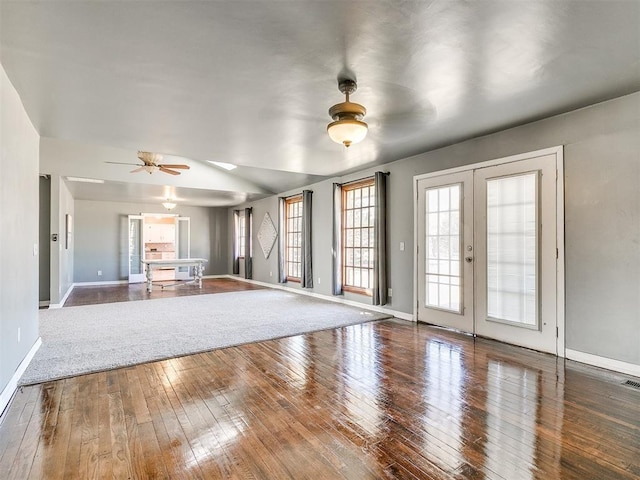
<point>19,225</point>
<point>602,219</point>
<point>100,237</point>
<point>45,238</point>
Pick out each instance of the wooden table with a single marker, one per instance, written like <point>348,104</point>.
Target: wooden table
<point>196,263</point>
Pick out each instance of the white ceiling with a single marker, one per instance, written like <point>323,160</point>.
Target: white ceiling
<point>250,82</point>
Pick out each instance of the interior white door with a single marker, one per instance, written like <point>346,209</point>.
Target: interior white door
<point>516,254</point>
<point>445,279</point>
<point>183,245</point>
<point>487,253</point>
<point>136,248</point>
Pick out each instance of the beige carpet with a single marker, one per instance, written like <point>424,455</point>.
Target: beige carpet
<point>84,339</point>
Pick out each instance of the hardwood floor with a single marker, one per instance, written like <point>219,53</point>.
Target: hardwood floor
<point>137,291</point>
<point>388,399</point>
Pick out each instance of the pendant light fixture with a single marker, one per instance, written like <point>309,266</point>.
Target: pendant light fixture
<point>169,205</point>
<point>347,127</point>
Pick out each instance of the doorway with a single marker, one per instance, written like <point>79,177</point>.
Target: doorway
<point>44,241</point>
<point>489,241</point>
<point>160,243</point>
<point>158,237</point>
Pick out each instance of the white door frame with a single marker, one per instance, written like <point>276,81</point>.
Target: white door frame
<point>143,236</point>
<point>560,273</point>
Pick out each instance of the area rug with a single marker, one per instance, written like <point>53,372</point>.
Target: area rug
<point>90,338</point>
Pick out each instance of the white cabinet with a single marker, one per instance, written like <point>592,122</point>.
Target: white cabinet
<point>160,234</point>
<point>151,234</point>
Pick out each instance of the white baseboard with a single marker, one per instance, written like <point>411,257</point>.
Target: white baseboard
<point>604,362</point>
<point>375,308</point>
<point>64,299</point>
<point>10,389</point>
<point>218,276</point>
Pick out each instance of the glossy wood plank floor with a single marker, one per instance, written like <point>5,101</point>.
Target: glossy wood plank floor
<point>387,399</point>
<point>129,292</point>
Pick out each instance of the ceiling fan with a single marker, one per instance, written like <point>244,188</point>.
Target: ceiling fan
<point>150,164</point>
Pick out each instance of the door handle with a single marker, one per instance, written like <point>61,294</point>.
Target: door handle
<point>468,259</point>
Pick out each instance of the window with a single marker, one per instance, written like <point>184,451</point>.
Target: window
<point>240,241</point>
<point>358,200</point>
<point>293,239</point>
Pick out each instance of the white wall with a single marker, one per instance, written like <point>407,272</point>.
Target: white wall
<point>602,219</point>
<point>19,226</point>
<point>62,204</point>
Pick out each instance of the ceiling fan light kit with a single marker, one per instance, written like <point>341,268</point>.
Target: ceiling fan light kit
<point>169,205</point>
<point>149,158</point>
<point>347,127</point>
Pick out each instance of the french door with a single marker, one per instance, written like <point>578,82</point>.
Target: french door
<point>487,253</point>
<point>445,206</point>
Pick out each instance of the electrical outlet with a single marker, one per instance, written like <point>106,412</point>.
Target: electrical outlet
<point>402,246</point>
<point>18,334</point>
<point>390,293</point>
<point>99,273</point>
<point>318,280</point>
<point>271,274</point>
<point>35,249</point>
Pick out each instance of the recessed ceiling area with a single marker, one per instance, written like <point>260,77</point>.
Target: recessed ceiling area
<point>141,193</point>
<point>250,82</point>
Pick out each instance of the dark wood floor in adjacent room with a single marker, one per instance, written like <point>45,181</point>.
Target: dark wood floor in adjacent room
<point>386,399</point>
<point>89,295</point>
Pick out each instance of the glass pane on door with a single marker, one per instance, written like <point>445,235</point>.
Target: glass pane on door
<point>512,249</point>
<point>183,225</point>
<point>443,231</point>
<point>136,251</point>
<point>183,244</point>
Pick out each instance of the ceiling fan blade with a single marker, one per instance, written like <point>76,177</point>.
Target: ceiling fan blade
<point>166,170</point>
<point>139,169</point>
<point>180,166</point>
<point>123,163</point>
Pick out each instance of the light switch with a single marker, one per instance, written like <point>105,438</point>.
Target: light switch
<point>402,246</point>
<point>35,249</point>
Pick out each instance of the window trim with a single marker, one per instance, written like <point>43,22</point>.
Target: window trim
<point>356,185</point>
<point>287,202</point>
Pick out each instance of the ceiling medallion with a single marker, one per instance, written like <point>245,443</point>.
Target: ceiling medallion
<point>347,127</point>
